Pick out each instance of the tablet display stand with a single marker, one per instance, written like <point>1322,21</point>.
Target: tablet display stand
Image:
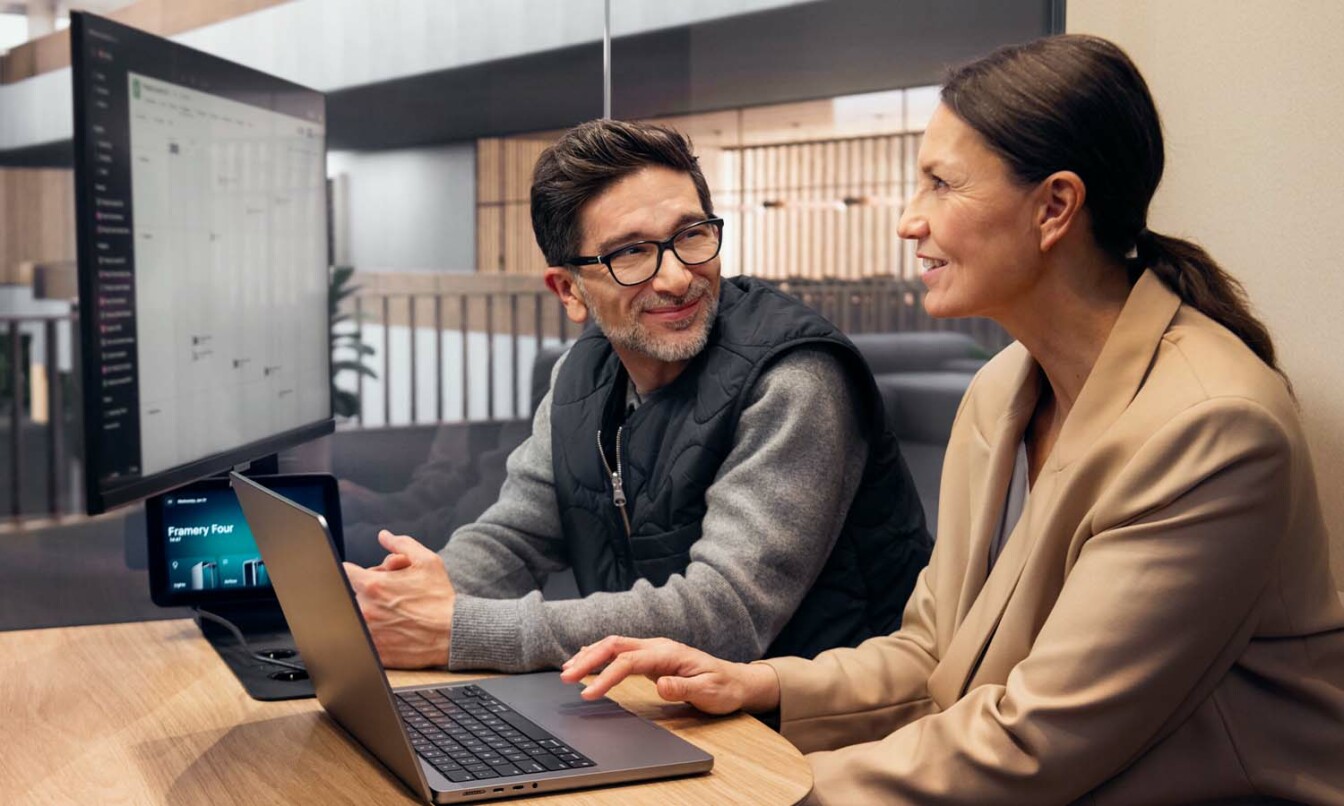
<point>263,625</point>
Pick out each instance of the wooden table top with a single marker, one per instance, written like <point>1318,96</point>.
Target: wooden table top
<point>147,713</point>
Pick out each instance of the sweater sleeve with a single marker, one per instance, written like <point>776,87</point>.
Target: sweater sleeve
<point>774,512</point>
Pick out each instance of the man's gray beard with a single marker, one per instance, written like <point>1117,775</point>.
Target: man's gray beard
<point>634,336</point>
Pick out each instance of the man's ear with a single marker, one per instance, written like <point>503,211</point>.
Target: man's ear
<point>1062,195</point>
<point>565,285</point>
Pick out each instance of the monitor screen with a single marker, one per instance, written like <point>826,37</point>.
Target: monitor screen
<point>202,232</point>
<point>201,550</point>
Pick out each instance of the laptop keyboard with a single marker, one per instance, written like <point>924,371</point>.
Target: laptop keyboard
<point>468,735</point>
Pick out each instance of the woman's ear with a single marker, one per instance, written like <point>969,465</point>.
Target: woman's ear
<point>1061,198</point>
<point>565,285</point>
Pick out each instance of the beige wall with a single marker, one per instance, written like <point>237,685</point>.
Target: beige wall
<point>1253,105</point>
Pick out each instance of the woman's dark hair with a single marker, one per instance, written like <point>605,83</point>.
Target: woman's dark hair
<point>585,161</point>
<point>1077,103</point>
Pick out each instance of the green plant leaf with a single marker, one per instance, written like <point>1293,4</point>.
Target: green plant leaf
<point>352,366</point>
<point>359,347</point>
<point>345,403</point>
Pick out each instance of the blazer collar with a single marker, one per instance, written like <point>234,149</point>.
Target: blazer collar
<point>985,593</point>
<point>1114,381</point>
<point>1120,369</point>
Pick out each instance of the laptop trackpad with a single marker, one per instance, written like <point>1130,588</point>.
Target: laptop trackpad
<point>603,731</point>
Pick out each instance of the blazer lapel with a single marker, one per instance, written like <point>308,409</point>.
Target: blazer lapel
<point>975,617</point>
<point>1004,437</point>
<point>1114,381</point>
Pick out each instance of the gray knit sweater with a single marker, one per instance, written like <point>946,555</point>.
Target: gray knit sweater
<point>774,512</point>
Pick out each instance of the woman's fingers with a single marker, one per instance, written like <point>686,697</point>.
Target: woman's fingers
<point>591,658</point>
<point>714,692</point>
<point>674,689</point>
<point>679,673</point>
<point>646,661</point>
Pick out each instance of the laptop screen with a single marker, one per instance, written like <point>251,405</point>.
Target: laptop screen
<point>201,550</point>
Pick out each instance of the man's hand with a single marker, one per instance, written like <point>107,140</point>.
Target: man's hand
<point>407,601</point>
<point>681,674</point>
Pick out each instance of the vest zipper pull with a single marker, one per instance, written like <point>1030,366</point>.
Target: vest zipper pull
<point>617,484</point>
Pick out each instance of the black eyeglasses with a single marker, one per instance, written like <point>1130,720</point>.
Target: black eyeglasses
<point>637,263</point>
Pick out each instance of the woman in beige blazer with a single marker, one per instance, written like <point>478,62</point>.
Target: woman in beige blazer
<point>1129,600</point>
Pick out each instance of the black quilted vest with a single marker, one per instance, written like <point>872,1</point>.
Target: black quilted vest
<point>671,450</point>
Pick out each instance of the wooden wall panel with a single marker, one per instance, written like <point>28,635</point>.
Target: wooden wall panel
<point>504,240</point>
<point>37,219</point>
<point>521,255</point>
<point>6,262</point>
<point>489,229</point>
<point>488,181</point>
<point>809,193</point>
<point>822,209</point>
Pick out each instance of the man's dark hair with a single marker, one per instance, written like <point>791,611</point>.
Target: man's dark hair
<point>588,159</point>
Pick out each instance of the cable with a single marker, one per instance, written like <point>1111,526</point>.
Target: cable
<point>238,634</point>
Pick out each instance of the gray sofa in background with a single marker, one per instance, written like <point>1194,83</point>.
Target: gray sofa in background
<point>919,351</point>
<point>922,377</point>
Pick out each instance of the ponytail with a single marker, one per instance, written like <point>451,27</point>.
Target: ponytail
<point>1200,282</point>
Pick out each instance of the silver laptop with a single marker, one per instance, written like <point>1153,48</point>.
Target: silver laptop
<point>480,739</point>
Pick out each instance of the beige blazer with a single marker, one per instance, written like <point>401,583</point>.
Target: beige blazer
<point>1161,626</point>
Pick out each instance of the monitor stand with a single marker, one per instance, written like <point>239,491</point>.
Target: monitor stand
<point>263,625</point>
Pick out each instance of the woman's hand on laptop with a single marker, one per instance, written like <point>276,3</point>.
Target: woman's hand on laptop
<point>681,674</point>
<point>407,601</point>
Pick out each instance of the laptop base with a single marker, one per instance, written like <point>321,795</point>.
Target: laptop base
<point>611,744</point>
<point>264,627</point>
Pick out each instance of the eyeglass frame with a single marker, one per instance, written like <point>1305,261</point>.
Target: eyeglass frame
<point>663,246</point>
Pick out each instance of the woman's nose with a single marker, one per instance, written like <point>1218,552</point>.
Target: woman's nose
<point>912,225</point>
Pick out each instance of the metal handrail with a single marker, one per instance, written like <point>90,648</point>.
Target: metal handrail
<point>869,305</point>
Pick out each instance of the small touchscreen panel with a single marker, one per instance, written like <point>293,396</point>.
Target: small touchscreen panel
<point>201,546</point>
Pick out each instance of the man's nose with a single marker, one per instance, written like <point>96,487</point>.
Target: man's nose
<point>674,278</point>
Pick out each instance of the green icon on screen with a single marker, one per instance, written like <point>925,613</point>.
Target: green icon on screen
<point>135,88</point>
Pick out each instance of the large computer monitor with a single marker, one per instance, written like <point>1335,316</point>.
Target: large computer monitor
<point>202,232</point>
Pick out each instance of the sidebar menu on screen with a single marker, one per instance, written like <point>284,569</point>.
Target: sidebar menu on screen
<point>109,293</point>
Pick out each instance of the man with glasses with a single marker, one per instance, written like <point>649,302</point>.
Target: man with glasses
<point>711,461</point>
